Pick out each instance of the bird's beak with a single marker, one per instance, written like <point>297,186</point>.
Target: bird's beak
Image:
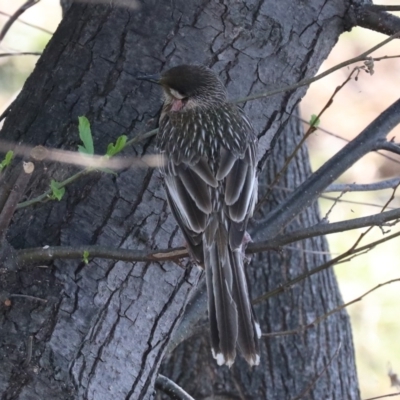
<point>150,78</point>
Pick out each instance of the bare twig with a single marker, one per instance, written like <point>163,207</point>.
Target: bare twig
<point>335,135</point>
<point>312,188</point>
<point>389,184</point>
<point>14,17</point>
<point>368,187</point>
<point>310,130</point>
<point>389,146</point>
<point>362,57</point>
<point>169,387</point>
<point>318,320</point>
<point>20,53</point>
<point>25,296</point>
<point>361,203</point>
<point>383,7</point>
<point>363,234</point>
<point>385,396</point>
<point>335,201</point>
<point>375,17</point>
<point>28,23</point>
<point>92,163</point>
<point>47,254</point>
<point>342,258</point>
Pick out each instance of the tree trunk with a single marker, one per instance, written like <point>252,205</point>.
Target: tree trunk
<point>104,330</point>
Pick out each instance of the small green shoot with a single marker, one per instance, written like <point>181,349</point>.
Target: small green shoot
<point>57,192</point>
<point>85,135</point>
<point>85,257</point>
<point>314,121</point>
<point>7,160</point>
<point>119,145</point>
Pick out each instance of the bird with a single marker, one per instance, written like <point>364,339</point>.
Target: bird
<point>210,177</point>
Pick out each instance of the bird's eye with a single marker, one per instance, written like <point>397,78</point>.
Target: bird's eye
<point>176,94</point>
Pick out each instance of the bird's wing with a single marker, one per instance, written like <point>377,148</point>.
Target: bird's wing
<point>188,187</point>
<point>240,181</point>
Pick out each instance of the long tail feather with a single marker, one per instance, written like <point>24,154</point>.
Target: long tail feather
<point>249,329</point>
<point>232,321</point>
<point>222,308</point>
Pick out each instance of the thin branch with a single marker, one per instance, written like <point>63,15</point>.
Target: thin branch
<point>46,195</point>
<point>309,131</point>
<point>22,53</point>
<point>389,146</point>
<point>312,188</point>
<point>340,188</point>
<point>385,396</point>
<point>322,318</point>
<point>171,388</point>
<point>335,201</point>
<point>189,325</point>
<point>93,163</point>
<point>14,17</point>
<point>305,82</point>
<point>41,153</point>
<point>367,187</point>
<point>342,258</point>
<point>28,23</point>
<point>383,7</point>
<point>335,135</point>
<point>361,203</point>
<point>376,18</point>
<point>48,254</point>
<point>25,296</point>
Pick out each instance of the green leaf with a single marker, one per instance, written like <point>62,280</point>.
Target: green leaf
<point>314,121</point>
<point>7,159</point>
<point>85,257</point>
<point>57,191</point>
<point>119,145</point>
<point>85,134</point>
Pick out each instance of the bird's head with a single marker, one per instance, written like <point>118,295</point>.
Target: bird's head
<point>190,86</point>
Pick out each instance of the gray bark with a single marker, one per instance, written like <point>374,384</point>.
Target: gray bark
<point>106,326</point>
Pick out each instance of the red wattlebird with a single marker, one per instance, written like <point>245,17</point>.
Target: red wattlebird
<point>210,179</point>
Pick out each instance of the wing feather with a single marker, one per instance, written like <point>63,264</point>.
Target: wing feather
<point>196,187</point>
<point>235,181</point>
<point>227,159</point>
<point>203,170</point>
<point>239,211</point>
<point>189,213</point>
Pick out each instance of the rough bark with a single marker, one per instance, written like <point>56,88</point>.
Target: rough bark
<point>104,331</point>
